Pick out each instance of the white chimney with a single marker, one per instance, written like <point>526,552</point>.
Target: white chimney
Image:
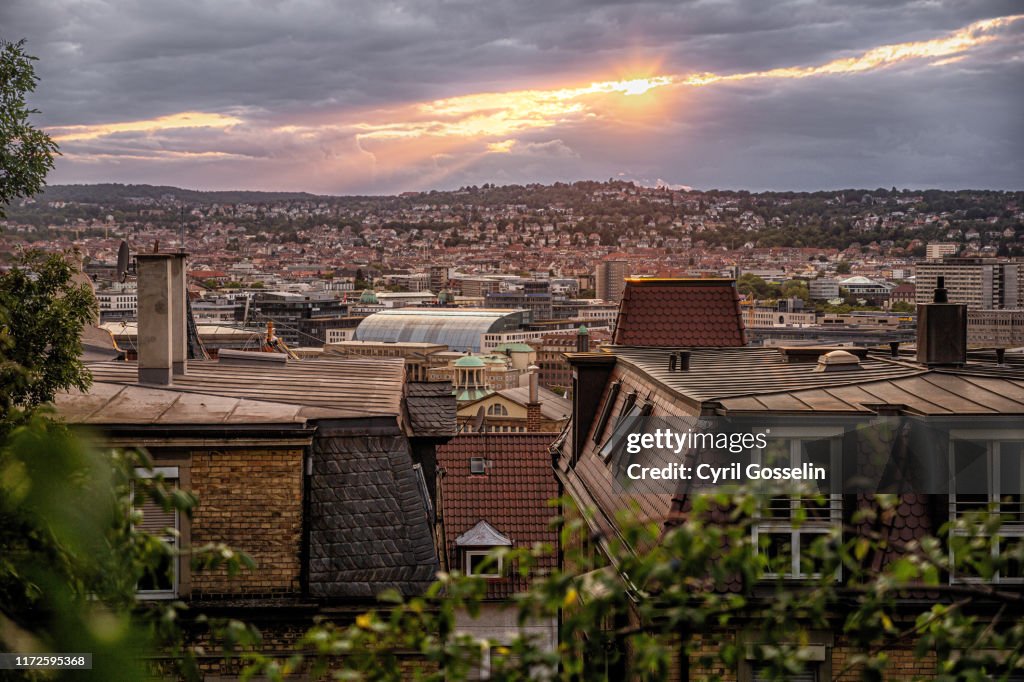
<point>163,331</point>
<point>534,382</point>
<point>178,308</point>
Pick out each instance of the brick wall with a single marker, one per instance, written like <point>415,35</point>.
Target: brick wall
<point>252,501</point>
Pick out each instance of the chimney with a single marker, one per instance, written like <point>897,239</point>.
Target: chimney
<point>941,330</point>
<point>684,361</point>
<point>155,303</point>
<point>894,349</point>
<point>163,330</point>
<point>533,418</point>
<point>582,339</point>
<point>179,318</point>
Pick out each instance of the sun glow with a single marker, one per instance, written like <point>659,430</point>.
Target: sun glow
<point>448,132</point>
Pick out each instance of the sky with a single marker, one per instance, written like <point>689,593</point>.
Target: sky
<point>380,97</point>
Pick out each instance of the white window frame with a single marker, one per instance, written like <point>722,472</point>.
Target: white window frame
<point>810,526</point>
<point>498,567</point>
<point>993,451</point>
<point>169,473</point>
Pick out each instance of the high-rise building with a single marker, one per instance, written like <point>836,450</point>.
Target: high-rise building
<point>610,278</point>
<point>939,250</point>
<point>981,283</point>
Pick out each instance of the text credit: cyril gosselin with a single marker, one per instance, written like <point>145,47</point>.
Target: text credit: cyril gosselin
<point>676,442</point>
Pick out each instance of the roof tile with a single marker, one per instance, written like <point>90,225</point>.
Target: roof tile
<point>680,312</point>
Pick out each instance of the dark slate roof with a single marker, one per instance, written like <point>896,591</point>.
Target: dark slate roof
<point>679,312</point>
<point>431,409</point>
<point>329,388</point>
<point>369,529</point>
<point>512,496</point>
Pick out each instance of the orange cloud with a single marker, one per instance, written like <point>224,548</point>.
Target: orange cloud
<point>185,119</point>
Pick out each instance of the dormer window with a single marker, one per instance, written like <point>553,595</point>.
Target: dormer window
<point>479,563</point>
<point>476,546</point>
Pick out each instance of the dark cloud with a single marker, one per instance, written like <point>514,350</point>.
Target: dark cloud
<point>271,61</point>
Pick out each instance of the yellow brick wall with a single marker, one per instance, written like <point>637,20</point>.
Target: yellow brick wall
<point>250,500</point>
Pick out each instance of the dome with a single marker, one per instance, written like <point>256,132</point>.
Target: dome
<point>369,296</point>
<point>469,361</point>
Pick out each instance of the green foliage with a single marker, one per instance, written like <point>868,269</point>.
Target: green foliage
<point>42,311</point>
<point>72,556</point>
<point>903,307</point>
<point>671,586</point>
<point>26,154</point>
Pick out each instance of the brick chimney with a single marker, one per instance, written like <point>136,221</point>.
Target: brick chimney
<point>162,334</point>
<point>533,418</point>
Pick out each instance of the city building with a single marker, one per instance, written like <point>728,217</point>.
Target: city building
<point>291,314</point>
<point>904,293</point>
<point>980,283</point>
<point>532,295</point>
<point>494,491</point>
<point>609,278</point>
<point>867,290</point>
<point>939,250</point>
<point>521,409</point>
<point>117,303</point>
<point>823,289</point>
<point>996,328</point>
<point>461,329</point>
<point>416,355</point>
<point>555,372</point>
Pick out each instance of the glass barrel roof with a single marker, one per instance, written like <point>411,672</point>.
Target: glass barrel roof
<point>459,329</point>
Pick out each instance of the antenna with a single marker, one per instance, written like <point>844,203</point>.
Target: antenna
<point>124,262</point>
<point>478,420</point>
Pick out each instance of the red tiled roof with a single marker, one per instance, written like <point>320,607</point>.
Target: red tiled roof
<point>679,312</point>
<point>512,496</point>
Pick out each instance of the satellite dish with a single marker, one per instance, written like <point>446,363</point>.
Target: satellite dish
<point>478,420</point>
<point>123,261</point>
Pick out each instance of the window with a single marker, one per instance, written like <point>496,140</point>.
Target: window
<point>762,672</point>
<point>606,413</point>
<point>161,583</point>
<point>789,525</point>
<point>481,564</point>
<point>497,410</point>
<point>625,422</point>
<point>815,655</point>
<point>988,479</point>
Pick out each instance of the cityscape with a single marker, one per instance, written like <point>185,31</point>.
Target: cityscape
<point>567,341</point>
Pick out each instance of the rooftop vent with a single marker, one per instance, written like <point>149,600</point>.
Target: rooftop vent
<point>837,361</point>
<point>809,354</point>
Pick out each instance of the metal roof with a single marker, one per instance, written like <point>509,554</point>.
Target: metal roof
<point>927,393</point>
<point>325,388</point>
<point>459,329</point>
<point>112,403</point>
<point>719,373</point>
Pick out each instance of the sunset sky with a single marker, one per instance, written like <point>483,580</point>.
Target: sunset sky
<point>341,97</point>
